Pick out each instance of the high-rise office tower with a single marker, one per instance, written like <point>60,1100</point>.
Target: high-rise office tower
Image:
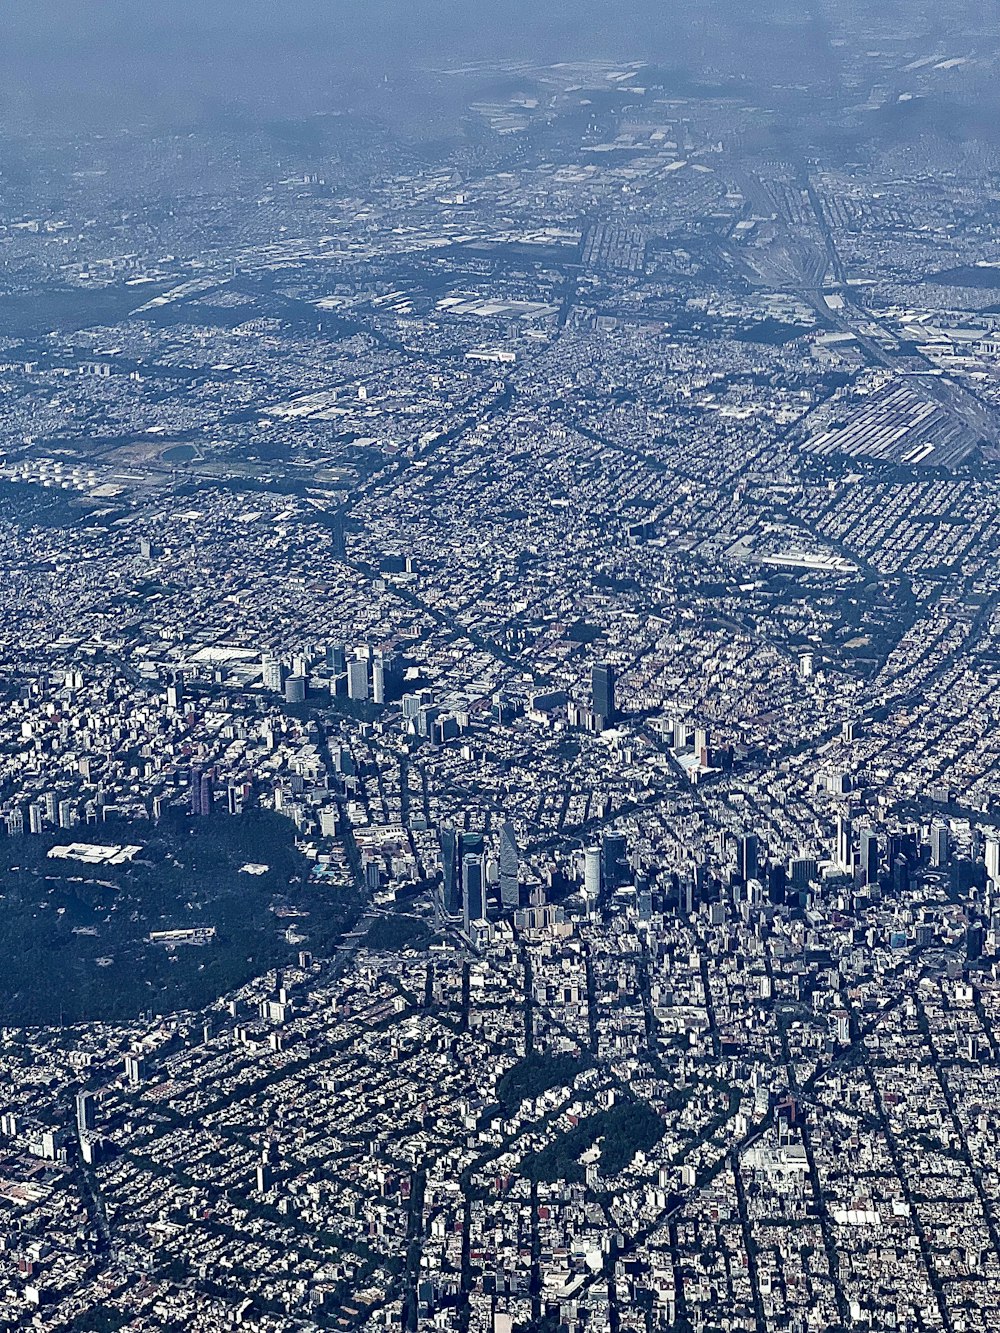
<point>993,857</point>
<point>473,889</point>
<point>451,888</point>
<point>378,679</point>
<point>614,861</point>
<point>357,679</point>
<point>335,658</point>
<point>747,857</point>
<point>940,845</point>
<point>86,1111</point>
<point>472,845</point>
<point>509,889</point>
<point>702,738</point>
<point>592,874</point>
<point>845,853</point>
<point>900,874</point>
<point>602,681</point>
<point>975,937</point>
<point>869,855</point>
<point>776,883</point>
<point>685,895</point>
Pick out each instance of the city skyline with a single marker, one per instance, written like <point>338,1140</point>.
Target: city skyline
<point>499,664</point>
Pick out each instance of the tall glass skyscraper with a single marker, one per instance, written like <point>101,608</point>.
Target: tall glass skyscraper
<point>509,890</point>
<point>602,681</point>
<point>451,888</point>
<point>473,889</point>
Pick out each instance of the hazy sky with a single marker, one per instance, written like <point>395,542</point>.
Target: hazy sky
<point>63,59</point>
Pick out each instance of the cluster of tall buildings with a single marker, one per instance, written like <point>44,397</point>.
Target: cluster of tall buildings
<point>363,674</point>
<point>475,880</point>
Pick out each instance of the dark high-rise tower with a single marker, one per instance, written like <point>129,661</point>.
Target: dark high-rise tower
<point>748,857</point>
<point>473,889</point>
<point>86,1111</point>
<point>451,888</point>
<point>614,863</point>
<point>602,680</point>
<point>869,855</point>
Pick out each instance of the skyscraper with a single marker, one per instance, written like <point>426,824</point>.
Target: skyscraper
<point>869,855</point>
<point>993,858</point>
<point>592,875</point>
<point>509,890</point>
<point>451,889</point>
<point>974,938</point>
<point>473,889</point>
<point>472,872</point>
<point>776,881</point>
<point>845,853</point>
<point>378,679</point>
<point>602,681</point>
<point>940,845</point>
<point>86,1111</point>
<point>748,857</point>
<point>614,861</point>
<point>357,679</point>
